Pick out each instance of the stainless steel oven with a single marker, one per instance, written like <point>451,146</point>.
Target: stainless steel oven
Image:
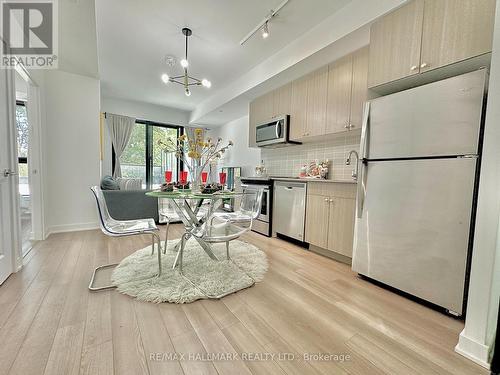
<point>263,222</point>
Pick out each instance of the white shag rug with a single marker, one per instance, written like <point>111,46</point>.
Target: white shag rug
<point>136,275</point>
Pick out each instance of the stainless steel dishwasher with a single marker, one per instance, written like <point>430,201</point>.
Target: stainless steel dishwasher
<point>289,208</point>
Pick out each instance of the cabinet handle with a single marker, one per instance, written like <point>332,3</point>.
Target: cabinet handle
<point>326,200</point>
<point>423,65</point>
<point>413,68</point>
<point>331,200</point>
<point>347,126</point>
<point>351,126</point>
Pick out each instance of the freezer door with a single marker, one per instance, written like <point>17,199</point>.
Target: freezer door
<point>439,119</point>
<point>414,227</point>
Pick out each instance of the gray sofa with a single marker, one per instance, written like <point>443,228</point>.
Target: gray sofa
<point>131,204</point>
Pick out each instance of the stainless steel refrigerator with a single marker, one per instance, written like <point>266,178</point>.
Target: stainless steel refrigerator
<point>416,188</point>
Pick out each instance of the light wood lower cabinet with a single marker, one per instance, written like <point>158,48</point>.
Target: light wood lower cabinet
<point>330,217</point>
<point>341,226</point>
<point>317,218</point>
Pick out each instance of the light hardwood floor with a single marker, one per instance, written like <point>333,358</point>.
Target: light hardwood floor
<point>51,324</point>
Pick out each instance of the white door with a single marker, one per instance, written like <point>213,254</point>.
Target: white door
<point>9,228</point>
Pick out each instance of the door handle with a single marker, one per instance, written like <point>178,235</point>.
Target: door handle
<point>361,188</point>
<point>8,172</point>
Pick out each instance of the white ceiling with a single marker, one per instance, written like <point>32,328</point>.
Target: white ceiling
<point>134,37</point>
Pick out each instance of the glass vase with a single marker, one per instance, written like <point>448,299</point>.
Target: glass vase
<point>195,172</point>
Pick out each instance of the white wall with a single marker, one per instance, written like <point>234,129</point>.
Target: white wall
<point>144,111</point>
<point>240,155</point>
<point>70,144</point>
<point>484,289</point>
<point>138,110</point>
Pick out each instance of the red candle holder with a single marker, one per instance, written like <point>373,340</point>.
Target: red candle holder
<point>168,177</point>
<point>204,177</point>
<point>222,178</point>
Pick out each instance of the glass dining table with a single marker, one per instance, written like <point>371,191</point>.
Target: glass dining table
<point>188,204</point>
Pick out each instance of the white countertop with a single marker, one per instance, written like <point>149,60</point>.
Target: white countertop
<point>300,179</point>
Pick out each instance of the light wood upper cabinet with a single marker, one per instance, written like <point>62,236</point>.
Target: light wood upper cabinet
<point>298,111</point>
<point>341,225</point>
<point>252,123</point>
<point>395,41</point>
<point>455,30</point>
<point>260,111</point>
<point>282,100</point>
<point>317,216</point>
<point>317,83</point>
<point>339,95</point>
<point>347,92</point>
<point>327,101</point>
<point>428,34</point>
<point>266,103</point>
<point>359,87</point>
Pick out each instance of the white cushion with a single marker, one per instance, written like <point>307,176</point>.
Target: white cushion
<point>129,183</point>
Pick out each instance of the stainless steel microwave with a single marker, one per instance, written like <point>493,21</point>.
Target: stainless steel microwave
<point>274,133</point>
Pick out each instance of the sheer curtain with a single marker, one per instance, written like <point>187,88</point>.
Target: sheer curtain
<point>120,128</point>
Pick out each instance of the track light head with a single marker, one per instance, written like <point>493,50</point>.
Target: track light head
<point>265,31</point>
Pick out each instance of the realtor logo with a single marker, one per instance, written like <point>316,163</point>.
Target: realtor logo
<point>29,33</point>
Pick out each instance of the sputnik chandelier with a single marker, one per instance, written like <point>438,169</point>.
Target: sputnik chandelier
<point>186,80</point>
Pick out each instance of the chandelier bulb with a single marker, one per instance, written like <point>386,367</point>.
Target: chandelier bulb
<point>206,83</point>
<point>165,78</point>
<point>184,63</point>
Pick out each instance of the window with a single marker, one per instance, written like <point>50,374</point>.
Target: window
<point>22,147</point>
<point>144,159</point>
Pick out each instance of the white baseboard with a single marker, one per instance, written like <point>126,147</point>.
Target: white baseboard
<point>71,228</point>
<point>473,350</point>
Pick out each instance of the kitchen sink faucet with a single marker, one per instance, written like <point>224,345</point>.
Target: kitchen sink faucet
<point>348,162</point>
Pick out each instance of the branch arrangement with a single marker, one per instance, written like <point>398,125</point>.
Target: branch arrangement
<point>195,152</point>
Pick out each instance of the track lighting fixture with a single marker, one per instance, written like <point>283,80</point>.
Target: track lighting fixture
<point>265,31</point>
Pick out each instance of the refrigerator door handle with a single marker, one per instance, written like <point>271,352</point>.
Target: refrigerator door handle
<point>361,188</point>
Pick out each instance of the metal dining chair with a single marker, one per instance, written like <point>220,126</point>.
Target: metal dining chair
<point>168,216</point>
<point>122,228</point>
<point>224,227</point>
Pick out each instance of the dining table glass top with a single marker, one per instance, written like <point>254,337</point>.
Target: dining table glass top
<point>188,194</point>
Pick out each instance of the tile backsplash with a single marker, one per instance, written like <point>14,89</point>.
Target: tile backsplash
<point>287,161</point>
